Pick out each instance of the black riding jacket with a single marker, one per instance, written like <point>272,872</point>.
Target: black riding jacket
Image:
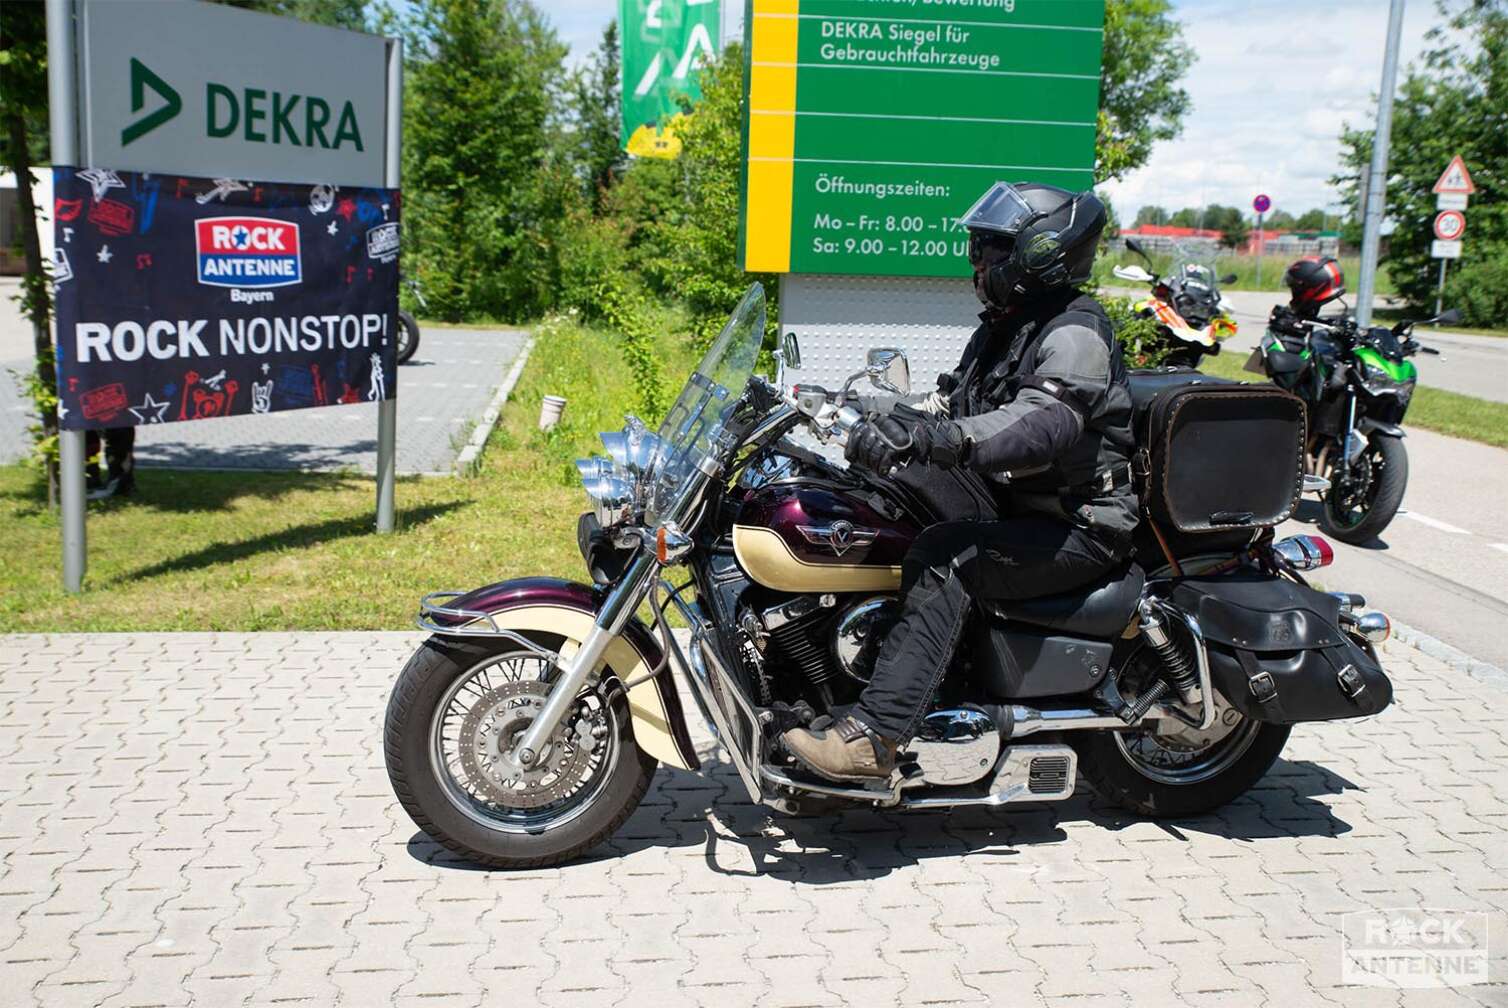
<point>1042,399</point>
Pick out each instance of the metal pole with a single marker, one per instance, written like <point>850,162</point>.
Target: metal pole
<point>1377,181</point>
<point>1260,244</point>
<point>1440,292</point>
<point>62,100</point>
<point>387,409</point>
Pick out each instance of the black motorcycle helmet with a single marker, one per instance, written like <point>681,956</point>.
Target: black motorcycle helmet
<point>1312,282</point>
<point>1029,239</point>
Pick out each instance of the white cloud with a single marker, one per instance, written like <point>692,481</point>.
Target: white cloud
<point>1274,83</point>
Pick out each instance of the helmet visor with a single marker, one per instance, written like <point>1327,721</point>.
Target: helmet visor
<point>1001,210</point>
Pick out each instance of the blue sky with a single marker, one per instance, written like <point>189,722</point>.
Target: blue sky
<point>1272,84</point>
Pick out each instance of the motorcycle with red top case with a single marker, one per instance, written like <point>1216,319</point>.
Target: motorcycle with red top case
<point>528,726</point>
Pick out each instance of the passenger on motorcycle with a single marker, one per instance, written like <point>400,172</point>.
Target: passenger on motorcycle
<point>1038,401</point>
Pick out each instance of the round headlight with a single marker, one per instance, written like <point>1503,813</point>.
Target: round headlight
<point>612,498</point>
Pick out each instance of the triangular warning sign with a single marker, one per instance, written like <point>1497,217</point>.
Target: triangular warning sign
<point>1455,178</point>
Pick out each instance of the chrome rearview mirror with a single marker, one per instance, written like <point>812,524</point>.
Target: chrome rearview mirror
<point>790,347</point>
<point>888,370</point>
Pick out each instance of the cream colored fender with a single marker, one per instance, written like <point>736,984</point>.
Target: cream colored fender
<point>652,729</point>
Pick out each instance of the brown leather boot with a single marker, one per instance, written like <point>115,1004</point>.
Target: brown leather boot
<point>847,751</point>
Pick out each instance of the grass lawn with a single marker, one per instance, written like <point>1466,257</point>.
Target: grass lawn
<point>283,551</point>
<point>1433,409</point>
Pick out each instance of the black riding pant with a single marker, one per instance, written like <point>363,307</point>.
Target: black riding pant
<point>949,566</point>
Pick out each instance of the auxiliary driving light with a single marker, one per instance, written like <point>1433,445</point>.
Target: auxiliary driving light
<point>1305,552</point>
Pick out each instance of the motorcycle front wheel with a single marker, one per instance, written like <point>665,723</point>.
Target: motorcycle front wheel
<point>454,716</point>
<point>1358,511</point>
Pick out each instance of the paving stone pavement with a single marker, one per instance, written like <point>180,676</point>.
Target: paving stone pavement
<point>204,819</point>
<point>442,392</point>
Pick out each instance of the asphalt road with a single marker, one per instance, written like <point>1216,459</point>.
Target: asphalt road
<point>1442,565</point>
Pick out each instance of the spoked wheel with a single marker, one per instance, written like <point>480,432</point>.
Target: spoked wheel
<point>1178,769</point>
<point>1358,511</point>
<point>453,722</point>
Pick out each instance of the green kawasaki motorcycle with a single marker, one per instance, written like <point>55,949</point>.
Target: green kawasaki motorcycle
<point>1356,384</point>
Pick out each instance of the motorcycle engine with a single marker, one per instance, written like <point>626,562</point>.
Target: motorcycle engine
<point>818,637</point>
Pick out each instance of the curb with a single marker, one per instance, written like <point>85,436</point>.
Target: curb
<point>1483,672</point>
<point>470,456</point>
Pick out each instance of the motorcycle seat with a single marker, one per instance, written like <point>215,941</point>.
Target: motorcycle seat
<point>1101,608</point>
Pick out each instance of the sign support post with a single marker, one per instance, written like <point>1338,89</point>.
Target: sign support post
<point>1440,291</point>
<point>1377,178</point>
<point>387,409</point>
<point>63,126</point>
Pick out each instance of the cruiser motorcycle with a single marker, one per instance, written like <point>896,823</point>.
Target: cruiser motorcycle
<point>1191,315</point>
<point>528,726</point>
<point>1356,385</point>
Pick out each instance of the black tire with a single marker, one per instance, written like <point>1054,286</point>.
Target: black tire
<point>1389,462</point>
<point>415,778</point>
<point>1115,779</point>
<point>408,337</point>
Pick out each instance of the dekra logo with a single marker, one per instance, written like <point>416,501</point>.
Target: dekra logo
<point>255,114</point>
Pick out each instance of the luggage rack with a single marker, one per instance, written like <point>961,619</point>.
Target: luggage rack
<point>432,605</point>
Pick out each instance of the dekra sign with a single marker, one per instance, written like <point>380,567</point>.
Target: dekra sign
<point>260,115</point>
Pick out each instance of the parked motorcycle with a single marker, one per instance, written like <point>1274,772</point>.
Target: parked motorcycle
<point>1356,385</point>
<point>528,726</point>
<point>1192,316</point>
<point>408,327</point>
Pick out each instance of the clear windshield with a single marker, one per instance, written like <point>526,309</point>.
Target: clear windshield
<point>1194,266</point>
<point>690,430</point>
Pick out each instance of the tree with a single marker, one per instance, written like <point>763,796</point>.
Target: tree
<point>1450,104</point>
<point>1311,220</point>
<point>23,115</point>
<point>595,99</point>
<point>1234,234</point>
<point>487,192</point>
<point>1140,101</point>
<point>1151,215</point>
<point>699,244</point>
<point>1279,220</point>
<point>1187,217</point>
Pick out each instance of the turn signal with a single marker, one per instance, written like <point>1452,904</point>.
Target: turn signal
<point>1375,627</point>
<point>670,543</point>
<point>1305,552</point>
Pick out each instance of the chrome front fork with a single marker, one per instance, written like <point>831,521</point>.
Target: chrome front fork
<point>617,609</point>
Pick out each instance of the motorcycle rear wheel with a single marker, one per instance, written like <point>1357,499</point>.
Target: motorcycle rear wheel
<point>408,337</point>
<point>450,794</point>
<point>1358,518</point>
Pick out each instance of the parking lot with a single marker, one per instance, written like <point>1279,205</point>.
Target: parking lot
<point>204,819</point>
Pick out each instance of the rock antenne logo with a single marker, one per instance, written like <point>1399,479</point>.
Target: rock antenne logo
<point>248,252</point>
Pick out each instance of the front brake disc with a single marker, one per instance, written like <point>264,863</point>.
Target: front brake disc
<point>491,730</point>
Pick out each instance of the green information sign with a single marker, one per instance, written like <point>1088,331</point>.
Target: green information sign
<point>664,44</point>
<point>873,124</point>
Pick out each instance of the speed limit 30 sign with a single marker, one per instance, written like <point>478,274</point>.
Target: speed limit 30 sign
<point>1450,225</point>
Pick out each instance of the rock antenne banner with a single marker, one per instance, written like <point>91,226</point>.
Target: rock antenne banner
<point>188,298</point>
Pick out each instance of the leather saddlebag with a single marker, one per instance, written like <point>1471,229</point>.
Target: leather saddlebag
<point>1277,652</point>
<point>1218,457</point>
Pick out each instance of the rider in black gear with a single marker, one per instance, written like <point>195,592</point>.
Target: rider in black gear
<point>1039,401</point>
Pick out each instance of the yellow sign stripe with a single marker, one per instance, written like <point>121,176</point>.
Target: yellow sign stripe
<point>772,138</point>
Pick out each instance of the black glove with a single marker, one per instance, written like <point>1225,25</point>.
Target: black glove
<point>879,444</point>
<point>933,439</point>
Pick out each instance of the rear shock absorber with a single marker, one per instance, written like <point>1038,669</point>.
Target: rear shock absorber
<point>1177,668</point>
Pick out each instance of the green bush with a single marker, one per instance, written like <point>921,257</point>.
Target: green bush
<point>1142,345</point>
<point>1479,289</point>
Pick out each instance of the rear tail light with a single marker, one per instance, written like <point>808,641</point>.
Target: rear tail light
<point>1305,552</point>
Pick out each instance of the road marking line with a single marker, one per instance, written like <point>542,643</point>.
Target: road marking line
<point>1434,523</point>
<point>1499,546</point>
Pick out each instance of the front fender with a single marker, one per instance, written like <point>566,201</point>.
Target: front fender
<point>569,609</point>
<point>1368,425</point>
